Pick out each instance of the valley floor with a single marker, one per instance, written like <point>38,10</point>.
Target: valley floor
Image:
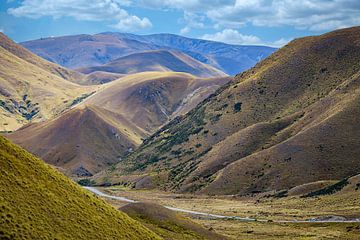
<point>275,210</point>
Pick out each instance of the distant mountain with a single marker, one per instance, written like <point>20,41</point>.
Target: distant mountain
<point>293,119</point>
<point>37,202</point>
<point>81,51</point>
<point>85,50</point>
<point>31,88</point>
<point>109,124</point>
<point>230,59</point>
<point>156,60</point>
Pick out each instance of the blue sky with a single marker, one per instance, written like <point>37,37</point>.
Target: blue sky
<point>255,22</point>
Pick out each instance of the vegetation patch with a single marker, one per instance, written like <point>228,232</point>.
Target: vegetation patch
<point>86,182</point>
<point>237,107</point>
<point>329,190</point>
<point>81,98</point>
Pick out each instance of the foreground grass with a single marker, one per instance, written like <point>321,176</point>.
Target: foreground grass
<point>37,202</point>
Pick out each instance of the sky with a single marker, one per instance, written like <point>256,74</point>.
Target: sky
<point>246,22</point>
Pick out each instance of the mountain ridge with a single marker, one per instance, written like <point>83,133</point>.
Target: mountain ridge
<point>285,97</point>
<point>98,49</point>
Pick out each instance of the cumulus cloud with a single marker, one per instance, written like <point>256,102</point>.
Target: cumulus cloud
<point>192,20</point>
<point>91,10</point>
<point>232,36</point>
<point>308,14</point>
<point>316,15</point>
<point>1,30</point>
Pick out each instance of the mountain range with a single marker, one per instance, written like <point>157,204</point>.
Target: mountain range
<point>84,129</point>
<point>82,51</point>
<point>290,120</point>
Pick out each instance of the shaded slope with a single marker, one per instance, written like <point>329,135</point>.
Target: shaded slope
<point>159,60</point>
<point>167,223</point>
<point>290,120</point>
<point>32,89</point>
<point>105,127</point>
<point>38,202</point>
<point>82,141</point>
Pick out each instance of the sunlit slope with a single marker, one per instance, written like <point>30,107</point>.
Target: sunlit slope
<point>29,92</point>
<point>37,202</point>
<point>109,124</point>
<point>50,67</point>
<point>159,60</point>
<point>150,99</point>
<point>290,120</point>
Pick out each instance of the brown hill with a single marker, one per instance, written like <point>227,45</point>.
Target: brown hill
<point>37,202</point>
<point>50,67</point>
<point>81,141</point>
<point>290,120</point>
<point>32,89</point>
<point>158,60</point>
<point>167,223</point>
<point>112,122</point>
<point>150,99</point>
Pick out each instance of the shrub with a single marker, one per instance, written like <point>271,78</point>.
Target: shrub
<point>237,107</point>
<point>86,182</point>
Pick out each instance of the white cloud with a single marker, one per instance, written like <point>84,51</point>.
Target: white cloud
<point>315,15</point>
<point>185,30</point>
<point>1,30</point>
<point>279,43</point>
<point>192,20</point>
<point>91,10</point>
<point>308,14</point>
<point>232,36</point>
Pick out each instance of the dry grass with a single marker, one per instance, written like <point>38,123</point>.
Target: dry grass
<point>345,203</point>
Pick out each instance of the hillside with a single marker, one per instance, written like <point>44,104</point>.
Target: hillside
<point>50,67</point>
<point>290,120</point>
<point>81,51</point>
<point>37,202</point>
<point>81,141</point>
<point>32,89</point>
<point>105,127</point>
<point>167,223</point>
<point>158,60</point>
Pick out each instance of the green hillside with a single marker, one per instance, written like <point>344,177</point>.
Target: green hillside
<point>37,202</point>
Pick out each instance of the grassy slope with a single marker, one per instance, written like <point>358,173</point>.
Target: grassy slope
<point>37,202</point>
<point>50,67</point>
<point>159,60</point>
<point>28,88</point>
<point>290,120</point>
<point>167,223</point>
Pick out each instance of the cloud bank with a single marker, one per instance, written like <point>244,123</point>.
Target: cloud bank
<point>90,10</point>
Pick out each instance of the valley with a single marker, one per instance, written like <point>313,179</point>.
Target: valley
<point>269,217</point>
<point>113,135</point>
